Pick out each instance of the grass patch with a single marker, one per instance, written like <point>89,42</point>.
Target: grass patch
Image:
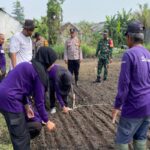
<point>118,52</point>
<point>88,51</point>
<point>147,46</point>
<point>6,147</point>
<point>5,142</point>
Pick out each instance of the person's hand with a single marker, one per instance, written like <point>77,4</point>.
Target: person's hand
<point>74,96</point>
<point>107,66</point>
<point>66,109</point>
<point>110,60</point>
<point>1,73</point>
<point>114,115</point>
<point>50,125</point>
<point>29,111</point>
<point>66,61</point>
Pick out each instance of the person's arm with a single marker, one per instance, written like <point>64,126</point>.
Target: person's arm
<point>65,109</point>
<point>110,54</point>
<point>13,59</point>
<point>39,94</point>
<point>66,53</point>
<point>28,108</point>
<point>111,46</point>
<point>124,81</point>
<point>3,66</point>
<point>98,49</point>
<point>59,97</point>
<point>80,54</point>
<point>14,48</point>
<point>123,86</point>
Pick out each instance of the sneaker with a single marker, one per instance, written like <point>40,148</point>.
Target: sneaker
<point>53,110</point>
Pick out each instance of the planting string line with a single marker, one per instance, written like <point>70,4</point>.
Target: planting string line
<point>90,105</point>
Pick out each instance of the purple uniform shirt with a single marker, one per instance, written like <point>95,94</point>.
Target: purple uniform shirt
<point>52,74</point>
<point>134,83</point>
<point>21,82</point>
<point>2,59</point>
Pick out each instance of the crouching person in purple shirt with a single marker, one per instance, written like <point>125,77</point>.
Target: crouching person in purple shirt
<point>60,85</point>
<point>2,58</point>
<point>25,79</point>
<point>133,98</point>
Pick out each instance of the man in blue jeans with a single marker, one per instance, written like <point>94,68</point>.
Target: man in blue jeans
<point>133,98</point>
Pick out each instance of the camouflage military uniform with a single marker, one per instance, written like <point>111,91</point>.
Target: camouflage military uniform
<point>104,54</point>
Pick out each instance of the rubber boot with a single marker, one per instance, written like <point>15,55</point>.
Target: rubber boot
<point>122,147</point>
<point>139,144</point>
<point>97,80</point>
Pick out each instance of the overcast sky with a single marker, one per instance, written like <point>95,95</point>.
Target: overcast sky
<point>76,10</point>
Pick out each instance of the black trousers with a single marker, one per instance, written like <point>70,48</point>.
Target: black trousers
<point>73,67</point>
<point>34,128</point>
<point>20,130</point>
<point>53,98</point>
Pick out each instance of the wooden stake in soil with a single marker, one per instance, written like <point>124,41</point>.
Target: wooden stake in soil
<point>73,97</point>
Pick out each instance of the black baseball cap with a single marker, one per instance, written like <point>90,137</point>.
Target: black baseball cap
<point>29,24</point>
<point>135,27</point>
<point>72,30</point>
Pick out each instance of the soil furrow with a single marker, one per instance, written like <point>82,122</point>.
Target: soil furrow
<point>104,110</point>
<point>82,129</point>
<point>68,129</point>
<point>94,127</point>
<point>104,120</point>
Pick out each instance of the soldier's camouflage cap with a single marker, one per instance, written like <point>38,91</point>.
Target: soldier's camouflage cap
<point>135,27</point>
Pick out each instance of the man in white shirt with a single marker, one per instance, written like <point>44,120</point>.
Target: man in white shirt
<point>21,44</point>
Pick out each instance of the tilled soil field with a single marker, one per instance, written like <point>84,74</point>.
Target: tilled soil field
<point>88,126</point>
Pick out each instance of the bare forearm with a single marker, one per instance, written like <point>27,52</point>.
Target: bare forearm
<point>13,59</point>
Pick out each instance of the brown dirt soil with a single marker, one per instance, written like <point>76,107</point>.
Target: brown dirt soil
<point>87,127</point>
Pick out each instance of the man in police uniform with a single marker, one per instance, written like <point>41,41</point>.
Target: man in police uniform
<point>73,54</point>
<point>104,54</point>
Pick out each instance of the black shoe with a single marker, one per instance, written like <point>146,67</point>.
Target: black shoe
<point>97,81</point>
<point>105,79</point>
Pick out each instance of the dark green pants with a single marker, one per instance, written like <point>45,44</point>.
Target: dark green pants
<point>102,63</point>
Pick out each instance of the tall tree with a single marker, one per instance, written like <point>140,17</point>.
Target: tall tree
<point>117,25</point>
<point>54,19</point>
<point>143,14</point>
<point>85,29</point>
<point>18,11</point>
<point>42,27</point>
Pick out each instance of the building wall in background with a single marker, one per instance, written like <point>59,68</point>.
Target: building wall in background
<point>9,25</point>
